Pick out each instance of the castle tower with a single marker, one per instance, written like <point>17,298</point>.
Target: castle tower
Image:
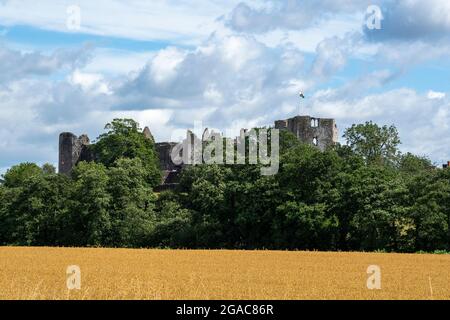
<point>72,149</point>
<point>317,132</point>
<point>148,134</point>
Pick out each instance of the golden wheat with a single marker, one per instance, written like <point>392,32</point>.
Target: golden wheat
<point>40,273</point>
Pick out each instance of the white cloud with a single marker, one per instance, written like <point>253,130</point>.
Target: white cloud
<point>181,21</point>
<point>248,75</point>
<point>436,95</point>
<point>16,65</point>
<point>422,122</point>
<point>92,82</point>
<point>290,15</point>
<point>227,78</point>
<point>331,56</point>
<point>163,66</point>
<point>112,62</point>
<point>413,20</point>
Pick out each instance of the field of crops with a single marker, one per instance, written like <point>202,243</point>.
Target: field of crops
<point>40,273</point>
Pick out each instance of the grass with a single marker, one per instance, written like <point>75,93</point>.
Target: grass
<point>40,273</point>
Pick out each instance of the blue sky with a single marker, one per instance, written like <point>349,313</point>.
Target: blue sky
<point>50,39</point>
<point>229,64</point>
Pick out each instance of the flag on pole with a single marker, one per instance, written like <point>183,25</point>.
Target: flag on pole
<point>300,107</point>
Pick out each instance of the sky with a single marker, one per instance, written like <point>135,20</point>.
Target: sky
<point>76,65</point>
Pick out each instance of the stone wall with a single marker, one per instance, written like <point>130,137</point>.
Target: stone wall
<point>164,150</point>
<point>72,149</point>
<point>319,132</point>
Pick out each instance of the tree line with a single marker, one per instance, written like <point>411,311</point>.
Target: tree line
<point>362,196</point>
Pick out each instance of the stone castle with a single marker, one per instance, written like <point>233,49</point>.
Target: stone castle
<point>318,132</point>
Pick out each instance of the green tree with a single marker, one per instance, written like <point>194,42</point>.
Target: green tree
<point>204,193</point>
<point>430,197</point>
<point>34,214</point>
<point>253,203</point>
<point>379,220</point>
<point>90,217</point>
<point>8,224</point>
<point>412,164</point>
<point>173,225</point>
<point>48,168</point>
<point>377,145</point>
<point>124,139</point>
<point>18,175</point>
<point>132,205</point>
<point>302,226</point>
<point>307,180</point>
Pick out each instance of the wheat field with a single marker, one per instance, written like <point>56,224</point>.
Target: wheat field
<point>40,273</point>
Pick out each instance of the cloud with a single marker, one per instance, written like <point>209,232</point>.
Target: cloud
<point>411,31</point>
<point>16,65</point>
<point>92,82</point>
<point>402,20</point>
<point>185,22</point>
<point>436,95</point>
<point>35,104</point>
<point>289,14</point>
<point>423,123</point>
<point>331,56</point>
<point>412,20</point>
<point>35,107</point>
<point>244,76</point>
<point>232,77</point>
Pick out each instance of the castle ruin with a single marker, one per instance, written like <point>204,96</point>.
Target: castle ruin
<point>72,149</point>
<point>318,132</point>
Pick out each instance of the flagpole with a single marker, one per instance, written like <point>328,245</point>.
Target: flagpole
<point>302,96</point>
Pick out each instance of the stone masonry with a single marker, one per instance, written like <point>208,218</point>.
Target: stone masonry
<point>319,132</point>
<point>72,149</point>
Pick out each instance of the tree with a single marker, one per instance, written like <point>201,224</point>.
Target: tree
<point>378,210</point>
<point>253,204</point>
<point>90,217</point>
<point>34,214</point>
<point>18,175</point>
<point>377,145</point>
<point>360,196</point>
<point>412,164</point>
<point>302,226</point>
<point>132,204</point>
<point>8,197</point>
<point>307,180</point>
<point>204,193</point>
<point>173,224</point>
<point>430,197</point>
<point>124,139</point>
<point>48,168</point>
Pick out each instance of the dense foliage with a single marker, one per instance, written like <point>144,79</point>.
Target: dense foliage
<point>362,196</point>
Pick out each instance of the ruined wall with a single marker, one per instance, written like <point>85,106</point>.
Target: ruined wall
<point>164,150</point>
<point>318,132</point>
<point>314,131</point>
<point>72,149</point>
